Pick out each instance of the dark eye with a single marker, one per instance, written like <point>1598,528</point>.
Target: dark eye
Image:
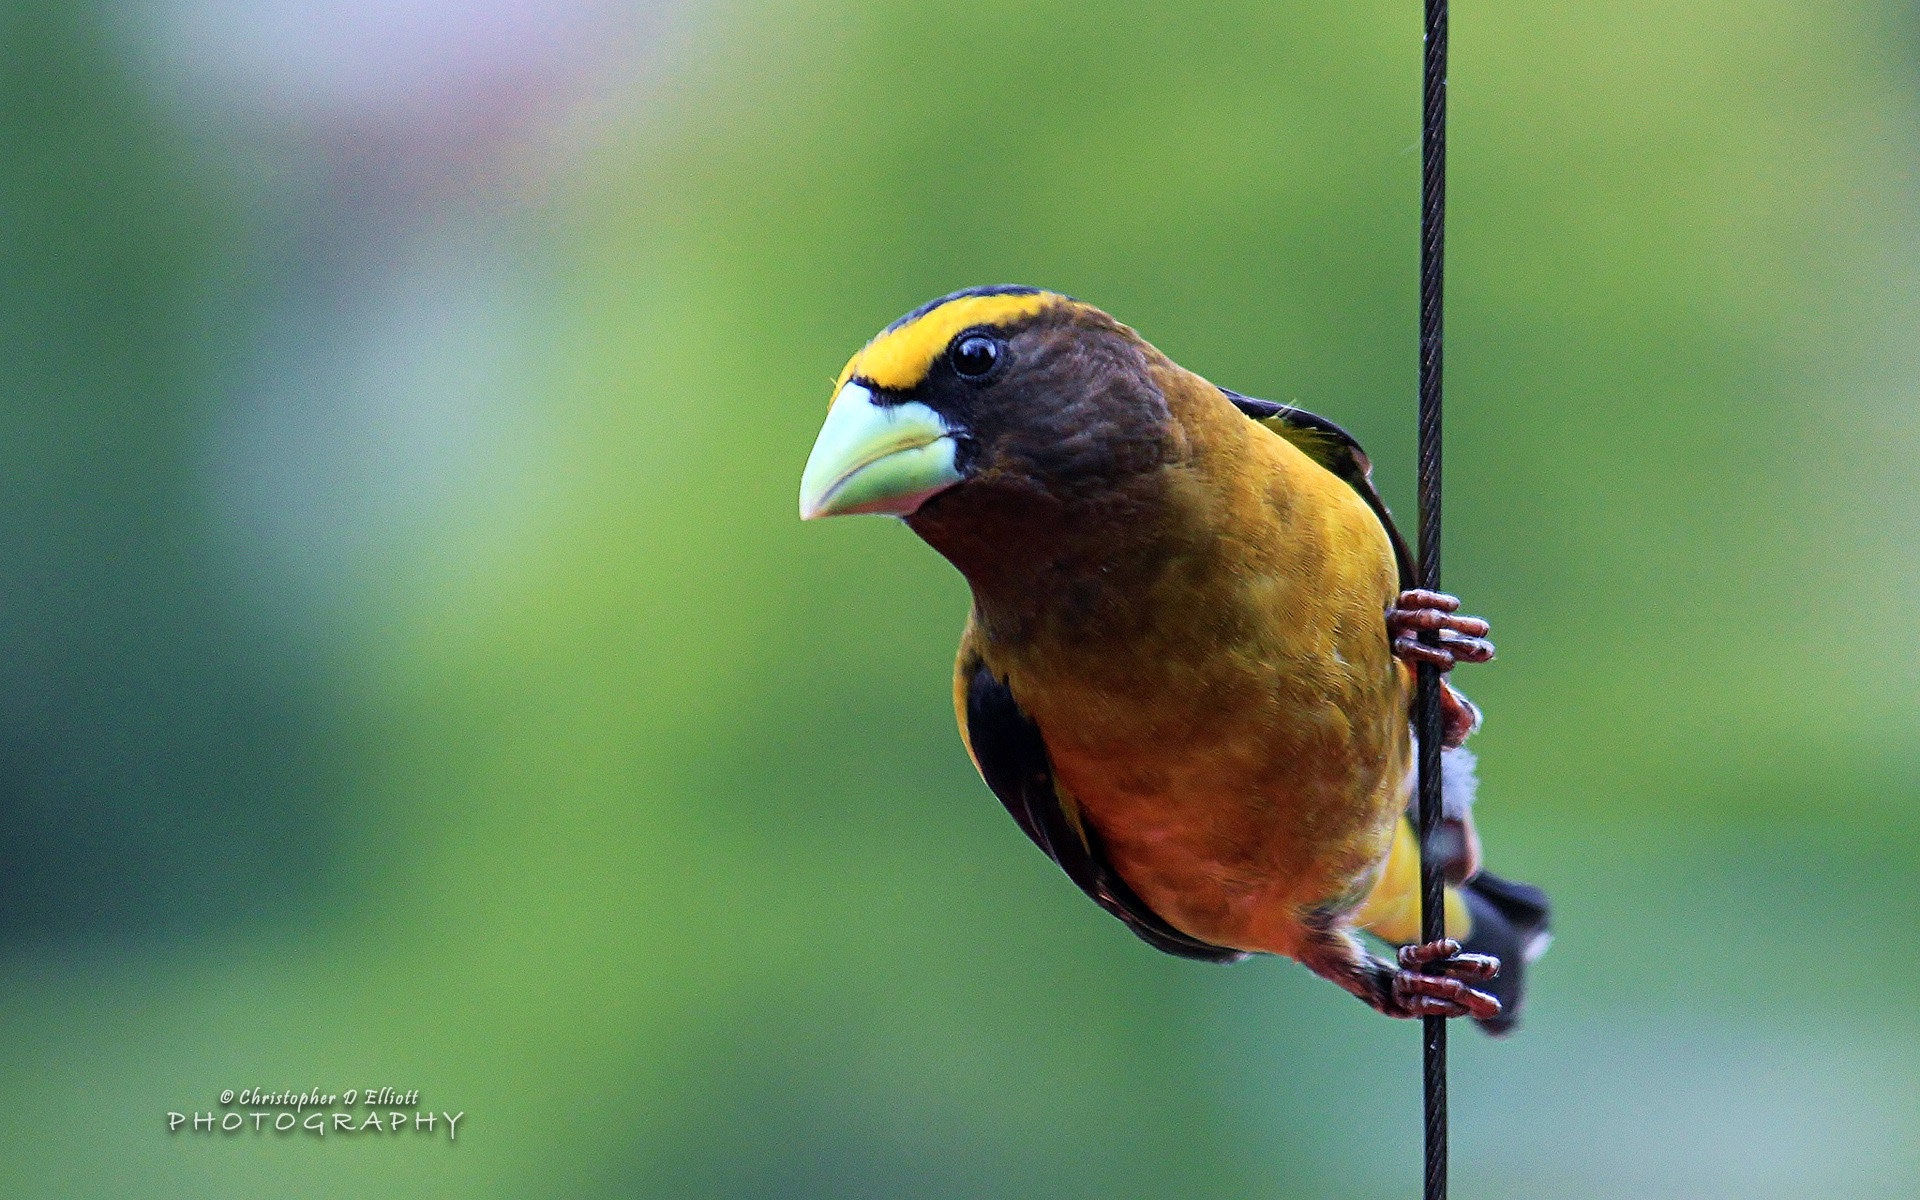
<point>974,354</point>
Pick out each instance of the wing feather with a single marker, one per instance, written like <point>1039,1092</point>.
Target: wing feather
<point>1336,450</point>
<point>1012,756</point>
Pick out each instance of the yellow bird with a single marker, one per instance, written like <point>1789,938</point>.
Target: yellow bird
<point>1186,673</point>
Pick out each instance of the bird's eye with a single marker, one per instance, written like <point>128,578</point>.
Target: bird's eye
<point>974,354</point>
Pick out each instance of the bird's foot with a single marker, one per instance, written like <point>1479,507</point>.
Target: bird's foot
<point>1434,978</point>
<point>1461,639</point>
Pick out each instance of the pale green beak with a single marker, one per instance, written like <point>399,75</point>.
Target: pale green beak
<point>872,458</point>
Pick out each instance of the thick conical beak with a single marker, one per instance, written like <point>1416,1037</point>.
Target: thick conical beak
<point>872,458</point>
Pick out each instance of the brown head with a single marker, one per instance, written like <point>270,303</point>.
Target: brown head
<point>1001,423</point>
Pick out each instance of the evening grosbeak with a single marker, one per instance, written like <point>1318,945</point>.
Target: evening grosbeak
<point>1187,672</point>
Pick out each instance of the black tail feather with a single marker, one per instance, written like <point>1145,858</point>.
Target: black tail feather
<point>1510,923</point>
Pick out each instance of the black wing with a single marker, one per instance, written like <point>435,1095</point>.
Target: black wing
<point>1013,760</point>
<point>1336,450</point>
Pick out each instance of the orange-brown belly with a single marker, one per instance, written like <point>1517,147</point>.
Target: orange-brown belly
<point>1235,838</point>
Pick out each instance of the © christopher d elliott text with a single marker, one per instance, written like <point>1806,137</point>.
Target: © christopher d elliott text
<point>317,1113</point>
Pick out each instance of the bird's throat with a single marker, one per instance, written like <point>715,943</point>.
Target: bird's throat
<point>1065,570</point>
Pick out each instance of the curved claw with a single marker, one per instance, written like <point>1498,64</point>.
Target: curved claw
<point>1432,982</point>
<point>1452,650</point>
<point>1459,639</point>
<point>1433,996</point>
<point>1444,958</point>
<point>1408,616</point>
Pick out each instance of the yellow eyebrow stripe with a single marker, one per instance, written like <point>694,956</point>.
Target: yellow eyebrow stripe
<point>900,358</point>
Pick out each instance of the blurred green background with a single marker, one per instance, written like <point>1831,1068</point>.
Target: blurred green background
<point>415,675</point>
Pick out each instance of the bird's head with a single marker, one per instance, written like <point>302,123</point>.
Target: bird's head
<point>1010,395</point>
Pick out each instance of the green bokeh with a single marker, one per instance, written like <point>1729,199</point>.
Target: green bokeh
<point>609,805</point>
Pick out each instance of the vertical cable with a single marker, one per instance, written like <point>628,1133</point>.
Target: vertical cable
<point>1433,210</point>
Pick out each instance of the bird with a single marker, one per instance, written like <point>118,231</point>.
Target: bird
<point>1188,668</point>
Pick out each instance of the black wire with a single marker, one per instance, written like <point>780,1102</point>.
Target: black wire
<point>1433,213</point>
